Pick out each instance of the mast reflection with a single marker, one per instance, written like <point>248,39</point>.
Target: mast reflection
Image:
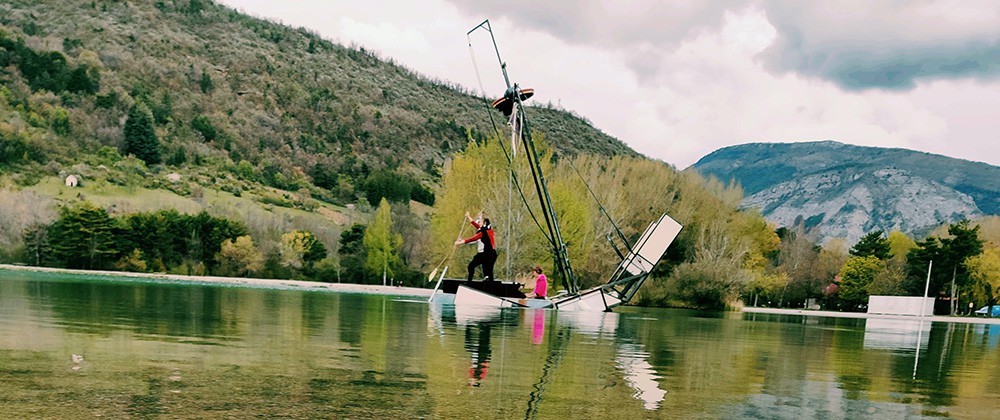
<point>554,332</point>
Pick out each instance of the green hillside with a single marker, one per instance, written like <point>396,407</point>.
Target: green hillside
<point>190,106</point>
<point>271,104</point>
<point>208,142</point>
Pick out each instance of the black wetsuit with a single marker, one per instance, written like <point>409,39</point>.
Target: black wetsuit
<point>487,258</point>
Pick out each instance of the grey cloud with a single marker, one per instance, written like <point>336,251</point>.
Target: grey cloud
<point>885,46</point>
<point>644,30</point>
<point>858,45</point>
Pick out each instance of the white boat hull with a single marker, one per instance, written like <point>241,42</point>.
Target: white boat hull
<point>467,296</point>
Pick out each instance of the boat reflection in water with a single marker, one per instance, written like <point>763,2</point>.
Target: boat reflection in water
<point>640,375</point>
<point>488,335</point>
<point>897,334</point>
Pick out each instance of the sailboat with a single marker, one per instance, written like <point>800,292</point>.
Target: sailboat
<point>637,260</point>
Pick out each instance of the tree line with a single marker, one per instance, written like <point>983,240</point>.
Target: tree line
<point>723,257</point>
<point>85,236</point>
<point>960,260</point>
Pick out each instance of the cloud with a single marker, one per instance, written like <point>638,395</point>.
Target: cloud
<point>676,82</point>
<point>642,30</point>
<point>885,45</point>
<point>857,45</point>
<point>389,39</point>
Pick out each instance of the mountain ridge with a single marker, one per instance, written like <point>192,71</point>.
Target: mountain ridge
<point>846,190</point>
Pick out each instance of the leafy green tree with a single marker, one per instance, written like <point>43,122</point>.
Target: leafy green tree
<point>83,80</point>
<point>984,272</point>
<point>195,7</point>
<point>239,257</point>
<point>315,252</point>
<point>140,136</point>
<point>83,237</point>
<point>855,277</point>
<point>60,121</point>
<point>133,262</point>
<point>873,244</point>
<point>899,245</point>
<point>300,249</point>
<point>767,289</point>
<point>160,235</point>
<point>381,244</point>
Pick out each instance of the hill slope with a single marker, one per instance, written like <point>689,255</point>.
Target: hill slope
<point>226,88</point>
<point>846,191</point>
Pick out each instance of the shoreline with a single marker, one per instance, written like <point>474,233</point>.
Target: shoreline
<point>862,315</point>
<point>236,281</point>
<point>251,282</point>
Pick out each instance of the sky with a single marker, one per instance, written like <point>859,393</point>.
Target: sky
<point>676,80</point>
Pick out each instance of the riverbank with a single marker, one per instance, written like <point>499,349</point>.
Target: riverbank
<point>234,281</point>
<point>834,314</point>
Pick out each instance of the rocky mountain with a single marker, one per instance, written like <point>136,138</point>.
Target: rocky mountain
<point>844,191</point>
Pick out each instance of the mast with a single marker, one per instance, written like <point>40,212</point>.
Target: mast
<point>542,189</point>
<point>513,93</point>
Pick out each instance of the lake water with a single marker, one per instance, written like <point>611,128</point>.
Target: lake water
<point>86,346</point>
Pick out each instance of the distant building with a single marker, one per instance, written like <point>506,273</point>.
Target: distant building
<point>72,181</point>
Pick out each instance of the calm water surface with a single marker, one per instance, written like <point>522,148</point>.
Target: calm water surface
<point>180,351</point>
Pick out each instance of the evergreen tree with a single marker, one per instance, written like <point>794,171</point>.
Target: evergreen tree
<point>205,83</point>
<point>917,261</point>
<point>963,244</point>
<point>873,244</point>
<point>204,126</point>
<point>36,244</point>
<point>140,136</point>
<point>205,235</point>
<point>352,254</point>
<point>83,237</point>
<point>315,253</point>
<point>949,256</point>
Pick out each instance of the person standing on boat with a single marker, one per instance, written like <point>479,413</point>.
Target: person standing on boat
<point>541,284</point>
<point>486,254</point>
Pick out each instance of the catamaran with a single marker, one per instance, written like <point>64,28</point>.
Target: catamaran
<point>637,260</point>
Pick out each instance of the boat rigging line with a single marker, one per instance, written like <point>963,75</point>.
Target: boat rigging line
<point>605,212</point>
<point>453,248</point>
<point>496,131</point>
<point>515,96</point>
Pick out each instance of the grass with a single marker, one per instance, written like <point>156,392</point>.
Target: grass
<point>266,222</point>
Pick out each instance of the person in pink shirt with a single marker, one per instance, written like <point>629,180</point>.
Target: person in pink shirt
<point>541,285</point>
